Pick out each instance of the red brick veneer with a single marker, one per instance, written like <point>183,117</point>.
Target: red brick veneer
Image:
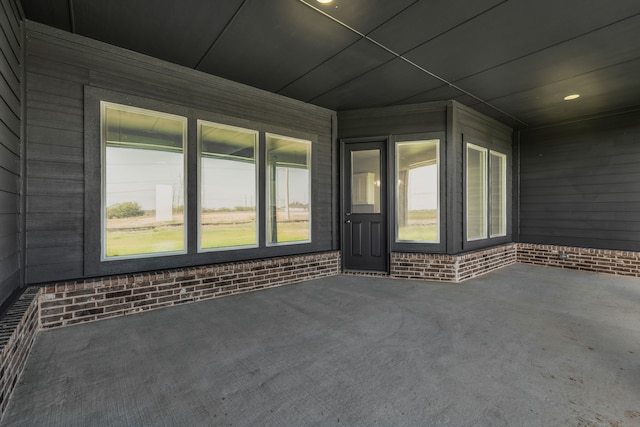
<point>620,263</point>
<point>451,268</point>
<point>60,304</point>
<point>81,301</point>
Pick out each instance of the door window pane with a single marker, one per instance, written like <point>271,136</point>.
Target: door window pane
<point>288,189</point>
<point>417,200</point>
<point>476,192</point>
<point>365,181</point>
<point>227,186</point>
<point>143,182</point>
<point>498,193</point>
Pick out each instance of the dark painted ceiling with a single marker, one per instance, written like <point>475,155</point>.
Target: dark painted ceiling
<point>514,60</point>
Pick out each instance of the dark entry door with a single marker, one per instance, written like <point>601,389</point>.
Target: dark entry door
<point>364,206</point>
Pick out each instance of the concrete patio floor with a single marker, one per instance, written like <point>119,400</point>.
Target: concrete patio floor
<point>522,346</point>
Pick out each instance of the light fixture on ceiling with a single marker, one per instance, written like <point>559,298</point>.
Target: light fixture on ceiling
<point>324,1</point>
<point>572,97</point>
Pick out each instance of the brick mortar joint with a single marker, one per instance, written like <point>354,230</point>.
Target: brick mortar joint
<point>201,272</point>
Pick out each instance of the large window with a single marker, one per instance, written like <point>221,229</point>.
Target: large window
<point>228,203</point>
<point>143,197</point>
<point>288,190</point>
<point>248,189</point>
<point>498,193</point>
<point>476,192</point>
<point>486,193</point>
<point>417,198</point>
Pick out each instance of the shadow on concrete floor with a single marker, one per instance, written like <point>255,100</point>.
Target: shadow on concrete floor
<point>525,346</point>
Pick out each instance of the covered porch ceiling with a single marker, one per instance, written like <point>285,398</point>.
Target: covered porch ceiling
<point>514,60</point>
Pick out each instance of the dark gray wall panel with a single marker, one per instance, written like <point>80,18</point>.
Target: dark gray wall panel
<point>396,120</point>
<point>67,76</point>
<point>10,161</point>
<point>580,183</point>
<point>476,128</point>
<point>459,123</point>
<point>399,123</point>
<point>11,45</point>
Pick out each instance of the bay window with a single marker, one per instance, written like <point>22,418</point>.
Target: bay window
<point>486,193</point>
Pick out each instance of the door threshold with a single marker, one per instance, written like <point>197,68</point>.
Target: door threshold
<point>366,273</point>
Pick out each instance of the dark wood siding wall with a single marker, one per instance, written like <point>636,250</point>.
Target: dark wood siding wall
<point>458,122</point>
<point>397,120</point>
<point>11,76</point>
<point>580,183</point>
<point>61,68</point>
<point>401,123</point>
<point>476,128</point>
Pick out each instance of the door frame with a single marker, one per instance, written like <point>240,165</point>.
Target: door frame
<point>387,203</point>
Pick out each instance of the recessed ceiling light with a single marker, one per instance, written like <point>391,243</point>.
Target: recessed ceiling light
<point>572,97</point>
<point>324,1</point>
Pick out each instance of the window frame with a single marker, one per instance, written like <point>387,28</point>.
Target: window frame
<point>257,161</point>
<point>503,199</point>
<point>489,239</point>
<point>396,181</point>
<point>89,220</point>
<point>103,181</point>
<point>267,207</point>
<point>485,191</point>
<point>443,219</point>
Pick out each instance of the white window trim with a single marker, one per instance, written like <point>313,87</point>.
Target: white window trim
<point>266,189</point>
<point>503,202</point>
<point>103,182</point>
<point>200,123</point>
<point>484,192</point>
<point>397,144</point>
